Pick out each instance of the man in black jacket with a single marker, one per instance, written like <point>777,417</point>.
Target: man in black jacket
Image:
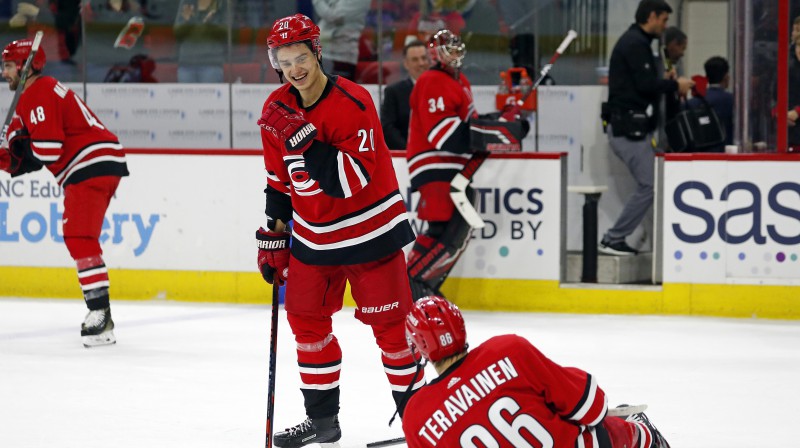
<point>635,85</point>
<point>395,109</point>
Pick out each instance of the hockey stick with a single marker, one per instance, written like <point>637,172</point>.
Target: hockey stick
<point>625,410</point>
<point>571,35</point>
<point>387,442</point>
<point>273,355</point>
<point>37,40</point>
<point>458,190</point>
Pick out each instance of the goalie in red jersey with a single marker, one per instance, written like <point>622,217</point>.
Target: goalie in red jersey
<point>54,129</point>
<point>506,393</point>
<point>329,170</point>
<point>443,135</point>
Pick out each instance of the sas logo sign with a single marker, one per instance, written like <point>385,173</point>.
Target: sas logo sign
<point>769,214</point>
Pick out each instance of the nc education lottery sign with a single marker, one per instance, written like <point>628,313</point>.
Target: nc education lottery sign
<point>731,222</point>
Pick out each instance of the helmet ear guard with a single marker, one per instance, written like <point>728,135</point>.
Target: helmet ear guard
<point>292,30</point>
<point>435,329</point>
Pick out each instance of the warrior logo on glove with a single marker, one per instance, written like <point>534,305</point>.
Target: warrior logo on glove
<point>288,125</point>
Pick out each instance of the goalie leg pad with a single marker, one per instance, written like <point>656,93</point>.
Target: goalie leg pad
<point>436,252</point>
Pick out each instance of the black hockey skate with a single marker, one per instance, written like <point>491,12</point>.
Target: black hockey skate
<point>658,440</point>
<point>318,430</point>
<point>98,328</point>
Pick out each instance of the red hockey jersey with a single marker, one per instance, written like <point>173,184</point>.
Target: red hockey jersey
<point>506,393</point>
<point>343,192</point>
<point>438,130</point>
<point>66,136</point>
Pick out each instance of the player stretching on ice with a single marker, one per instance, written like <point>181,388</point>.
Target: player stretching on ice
<point>439,146</point>
<point>329,170</point>
<point>53,128</point>
<point>506,393</point>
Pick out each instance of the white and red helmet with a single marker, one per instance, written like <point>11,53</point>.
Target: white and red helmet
<point>435,329</point>
<point>18,51</point>
<point>291,30</point>
<point>447,48</point>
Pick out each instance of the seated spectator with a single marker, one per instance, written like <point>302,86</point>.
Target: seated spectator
<point>717,96</point>
<point>201,33</point>
<point>395,109</point>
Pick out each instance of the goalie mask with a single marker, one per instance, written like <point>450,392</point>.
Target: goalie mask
<point>18,51</point>
<point>447,49</point>
<point>292,30</point>
<point>435,329</point>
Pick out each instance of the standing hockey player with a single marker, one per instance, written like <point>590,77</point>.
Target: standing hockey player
<point>438,148</point>
<point>53,128</point>
<point>506,393</point>
<point>329,170</point>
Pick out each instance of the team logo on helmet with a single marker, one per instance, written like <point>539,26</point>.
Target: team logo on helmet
<point>18,51</point>
<point>291,30</point>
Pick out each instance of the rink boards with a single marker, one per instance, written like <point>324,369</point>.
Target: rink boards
<point>182,226</point>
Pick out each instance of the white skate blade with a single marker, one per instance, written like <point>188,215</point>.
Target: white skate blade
<point>105,338</point>
<point>624,411</point>
<point>329,445</point>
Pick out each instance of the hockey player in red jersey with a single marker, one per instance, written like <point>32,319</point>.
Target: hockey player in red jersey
<point>329,170</point>
<point>439,146</point>
<point>53,128</point>
<point>506,393</point>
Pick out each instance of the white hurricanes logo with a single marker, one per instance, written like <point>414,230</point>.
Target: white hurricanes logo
<point>302,183</point>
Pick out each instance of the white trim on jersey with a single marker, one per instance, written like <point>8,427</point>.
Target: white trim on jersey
<point>602,412</point>
<point>343,175</point>
<point>47,144</point>
<point>349,222</point>
<point>587,404</point>
<point>436,166</point>
<point>362,179</point>
<point>452,122</point>
<point>61,178</point>
<point>354,241</point>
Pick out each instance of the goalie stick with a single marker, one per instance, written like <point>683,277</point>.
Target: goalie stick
<point>273,355</point>
<point>37,40</point>
<point>459,184</point>
<point>622,410</point>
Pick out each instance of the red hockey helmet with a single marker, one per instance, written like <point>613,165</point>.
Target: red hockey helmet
<point>435,328</point>
<point>447,48</point>
<point>18,51</point>
<point>292,30</point>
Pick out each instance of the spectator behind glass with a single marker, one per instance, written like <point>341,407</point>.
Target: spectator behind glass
<point>341,23</point>
<point>395,109</point>
<point>104,21</point>
<point>201,33</point>
<point>717,96</point>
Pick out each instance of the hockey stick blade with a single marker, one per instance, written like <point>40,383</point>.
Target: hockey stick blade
<point>625,410</point>
<point>388,442</point>
<point>458,187</point>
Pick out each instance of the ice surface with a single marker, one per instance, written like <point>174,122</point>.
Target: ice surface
<point>195,375</point>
